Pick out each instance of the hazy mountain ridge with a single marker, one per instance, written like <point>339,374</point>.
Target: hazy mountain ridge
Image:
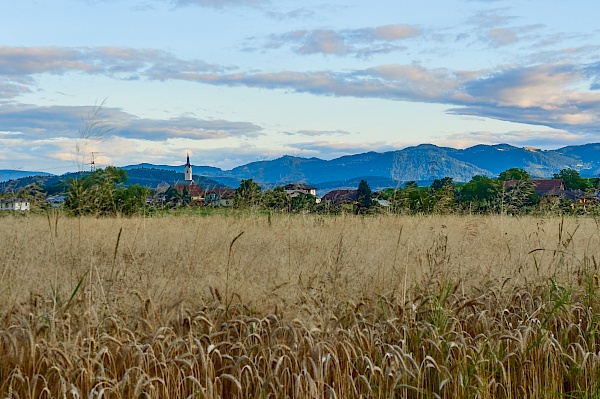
<point>13,174</point>
<point>422,163</point>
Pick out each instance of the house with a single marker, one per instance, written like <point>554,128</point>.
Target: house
<point>56,201</point>
<point>299,188</point>
<point>341,196</point>
<point>545,187</point>
<point>15,204</point>
<point>220,196</point>
<point>195,191</point>
<point>295,189</point>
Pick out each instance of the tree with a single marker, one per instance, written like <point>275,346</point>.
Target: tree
<point>276,199</point>
<point>363,195</point>
<point>411,184</point>
<point>248,194</point>
<point>514,174</point>
<point>303,202</point>
<point>445,182</point>
<point>572,179</point>
<point>516,198</point>
<point>132,200</point>
<point>101,193</point>
<point>481,193</point>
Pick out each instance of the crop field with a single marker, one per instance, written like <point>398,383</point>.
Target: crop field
<point>257,306</point>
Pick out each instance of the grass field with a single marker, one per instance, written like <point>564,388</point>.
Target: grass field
<point>251,306</point>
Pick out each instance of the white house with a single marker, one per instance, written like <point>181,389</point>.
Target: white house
<point>15,204</point>
<point>220,196</point>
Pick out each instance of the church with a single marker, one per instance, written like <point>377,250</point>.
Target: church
<point>189,192</point>
<point>188,186</point>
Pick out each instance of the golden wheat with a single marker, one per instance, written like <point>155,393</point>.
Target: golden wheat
<point>299,306</point>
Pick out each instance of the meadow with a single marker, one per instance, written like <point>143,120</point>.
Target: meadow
<point>299,306</point>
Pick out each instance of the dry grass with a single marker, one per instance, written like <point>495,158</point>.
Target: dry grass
<point>253,307</point>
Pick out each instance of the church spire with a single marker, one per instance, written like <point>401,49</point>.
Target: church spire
<point>188,169</point>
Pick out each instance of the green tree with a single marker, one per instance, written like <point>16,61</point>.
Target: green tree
<point>439,184</point>
<point>514,174</point>
<point>363,195</point>
<point>572,179</point>
<point>101,193</point>
<point>304,202</point>
<point>132,200</point>
<point>276,199</point>
<point>519,197</point>
<point>481,193</point>
<point>248,194</point>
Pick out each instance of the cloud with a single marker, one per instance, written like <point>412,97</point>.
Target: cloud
<point>313,133</point>
<point>69,122</point>
<point>559,95</point>
<point>545,139</point>
<point>359,42</point>
<point>549,95</point>
<point>12,88</point>
<point>219,3</point>
<point>19,63</point>
<point>298,13</point>
<point>498,37</point>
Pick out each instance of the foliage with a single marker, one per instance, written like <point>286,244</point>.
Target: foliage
<point>519,198</point>
<point>572,179</point>
<point>276,199</point>
<point>303,203</point>
<point>514,174</point>
<point>248,194</point>
<point>481,193</point>
<point>101,193</point>
<point>363,197</point>
<point>411,184</point>
<point>176,199</point>
<point>439,184</point>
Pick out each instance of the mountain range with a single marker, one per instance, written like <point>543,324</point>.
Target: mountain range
<point>422,163</point>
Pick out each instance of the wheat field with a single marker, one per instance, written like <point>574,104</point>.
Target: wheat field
<point>257,306</point>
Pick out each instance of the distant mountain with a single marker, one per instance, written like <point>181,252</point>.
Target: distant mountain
<point>148,177</point>
<point>498,158</point>
<point>152,177</point>
<point>9,174</point>
<point>201,170</point>
<point>422,163</point>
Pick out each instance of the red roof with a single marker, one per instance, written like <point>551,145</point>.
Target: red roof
<point>341,196</point>
<point>192,189</point>
<point>222,192</point>
<point>548,185</point>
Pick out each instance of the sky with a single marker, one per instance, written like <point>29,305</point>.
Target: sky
<point>235,81</point>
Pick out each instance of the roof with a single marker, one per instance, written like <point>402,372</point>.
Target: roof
<point>298,186</point>
<point>56,198</point>
<point>548,185</point>
<point>222,192</point>
<point>341,196</point>
<point>12,200</point>
<point>571,195</point>
<point>193,189</point>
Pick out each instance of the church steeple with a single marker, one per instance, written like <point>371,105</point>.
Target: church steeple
<point>188,169</point>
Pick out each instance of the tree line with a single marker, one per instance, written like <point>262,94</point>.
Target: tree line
<point>104,193</point>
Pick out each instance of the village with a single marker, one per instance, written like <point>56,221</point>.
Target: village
<point>513,192</point>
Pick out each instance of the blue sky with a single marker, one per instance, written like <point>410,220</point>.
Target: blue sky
<point>235,81</point>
